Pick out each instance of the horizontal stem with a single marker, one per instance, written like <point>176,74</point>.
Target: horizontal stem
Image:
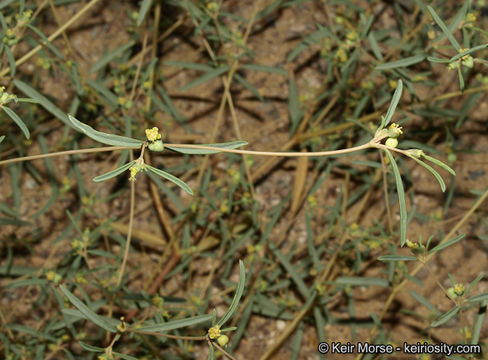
<point>275,153</point>
<point>67,152</point>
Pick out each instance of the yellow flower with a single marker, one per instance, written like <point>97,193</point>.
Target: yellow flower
<point>133,172</point>
<point>153,134</point>
<point>459,289</point>
<point>395,129</point>
<point>214,332</point>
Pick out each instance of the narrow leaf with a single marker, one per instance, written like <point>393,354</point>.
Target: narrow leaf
<point>394,102</point>
<point>401,198</point>
<point>11,61</point>
<point>248,86</point>
<point>440,163</point>
<point>87,312</point>
<point>270,69</point>
<point>479,297</point>
<point>146,4</point>
<point>175,324</point>
<point>43,101</point>
<point>113,173</point>
<point>237,296</point>
<point>110,56</point>
<point>109,139</point>
<point>443,245</point>
<point>467,52</point>
<point>361,281</point>
<point>408,61</point>
<point>207,77</point>
<point>192,151</point>
<point>433,172</point>
<point>17,120</point>
<point>444,28</point>
<point>290,269</point>
<point>171,178</point>
<point>397,258</point>
<point>192,66</point>
<point>445,317</point>
<point>293,105</point>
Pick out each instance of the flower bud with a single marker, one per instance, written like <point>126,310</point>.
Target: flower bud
<point>391,142</point>
<point>156,146</point>
<point>223,340</point>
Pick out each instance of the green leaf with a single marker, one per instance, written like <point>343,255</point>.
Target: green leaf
<point>433,172</point>
<point>85,310</point>
<point>397,258</point>
<point>211,352</point>
<point>27,282</point>
<point>175,324</point>
<point>401,198</point>
<point>237,296</point>
<point>440,163</point>
<point>110,56</point>
<point>361,281</point>
<point>17,120</point>
<point>293,105</point>
<point>105,93</point>
<point>248,86</point>
<point>90,348</point>
<point>394,102</point>
<point>444,28</point>
<point>11,61</point>
<point>113,173</point>
<point>443,245</point>
<point>270,69</point>
<point>446,317</point>
<point>171,178</point>
<point>424,302</point>
<point>207,77</point>
<point>460,78</point>
<point>43,101</point>
<point>146,4</point>
<point>438,60</point>
<point>109,139</point>
<point>2,138</point>
<point>192,151</point>
<point>192,66</point>
<point>467,52</point>
<point>290,269</point>
<point>408,61</point>
<point>479,297</point>
<point>374,46</point>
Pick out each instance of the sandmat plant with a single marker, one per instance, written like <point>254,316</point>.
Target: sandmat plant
<point>103,310</point>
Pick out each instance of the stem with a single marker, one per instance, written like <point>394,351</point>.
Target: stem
<point>62,153</point>
<point>277,153</point>
<point>129,232</point>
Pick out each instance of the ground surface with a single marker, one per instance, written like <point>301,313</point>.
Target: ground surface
<point>265,126</point>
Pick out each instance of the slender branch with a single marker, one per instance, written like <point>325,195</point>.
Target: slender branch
<point>277,153</point>
<point>129,232</point>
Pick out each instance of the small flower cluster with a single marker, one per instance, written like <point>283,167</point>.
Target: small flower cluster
<point>215,333</point>
<point>393,132</point>
<point>154,138</point>
<point>135,169</point>
<point>466,61</point>
<point>5,97</point>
